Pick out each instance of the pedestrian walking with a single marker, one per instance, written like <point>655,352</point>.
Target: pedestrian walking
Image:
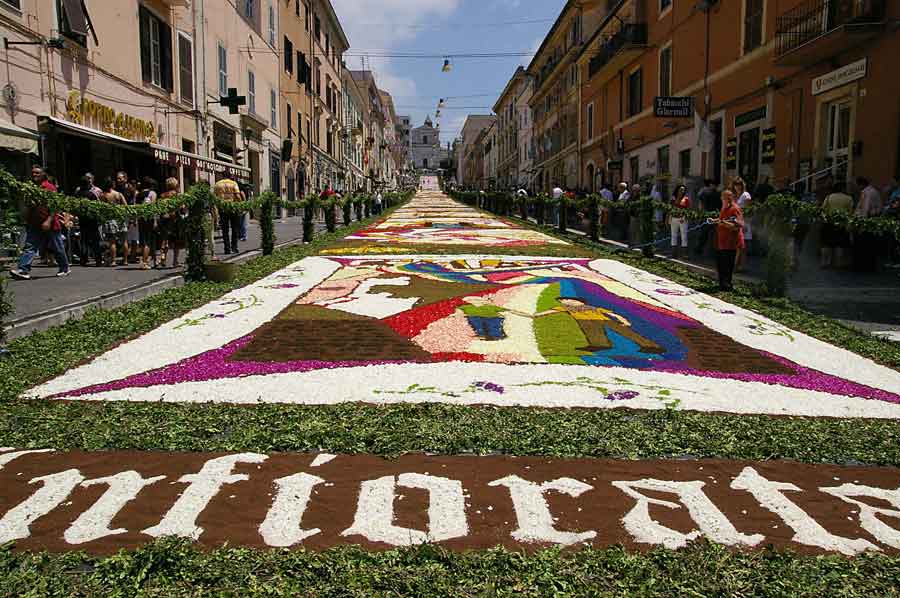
<point>743,198</point>
<point>678,225</point>
<point>729,238</point>
<point>43,229</point>
<point>228,191</point>
<point>378,201</point>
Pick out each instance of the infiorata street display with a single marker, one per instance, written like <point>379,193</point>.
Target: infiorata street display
<point>433,219</point>
<point>94,502</point>
<point>556,332</point>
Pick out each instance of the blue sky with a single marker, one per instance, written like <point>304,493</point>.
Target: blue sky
<point>444,27</point>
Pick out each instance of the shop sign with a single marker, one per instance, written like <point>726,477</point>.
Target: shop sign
<point>178,159</point>
<point>842,76</point>
<point>673,107</point>
<point>731,153</point>
<point>83,111</point>
<point>749,117</point>
<point>768,145</point>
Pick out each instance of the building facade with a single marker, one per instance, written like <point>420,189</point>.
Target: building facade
<point>107,88</point>
<point>196,89</point>
<point>356,125</point>
<point>491,156</point>
<point>296,96</point>
<point>507,110</point>
<point>762,89</point>
<point>404,131</point>
<point>470,160</point>
<point>328,46</point>
<point>427,152</point>
<point>373,157</point>
<point>525,172</point>
<point>556,98</point>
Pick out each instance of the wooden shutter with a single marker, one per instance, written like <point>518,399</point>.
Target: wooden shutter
<point>144,19</point>
<point>288,55</point>
<point>75,17</point>
<point>165,56</point>
<point>186,70</point>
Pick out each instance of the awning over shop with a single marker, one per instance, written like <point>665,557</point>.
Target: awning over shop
<point>87,132</point>
<point>17,139</point>
<point>161,153</point>
<point>173,157</point>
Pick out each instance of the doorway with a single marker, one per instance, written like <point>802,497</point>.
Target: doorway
<point>748,157</point>
<point>839,116</point>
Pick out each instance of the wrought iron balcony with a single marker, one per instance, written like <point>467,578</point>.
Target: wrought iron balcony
<point>819,29</point>
<point>629,36</point>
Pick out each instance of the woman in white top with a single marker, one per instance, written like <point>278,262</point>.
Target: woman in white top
<point>743,200</point>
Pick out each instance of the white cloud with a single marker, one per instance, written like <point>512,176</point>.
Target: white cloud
<point>385,25</point>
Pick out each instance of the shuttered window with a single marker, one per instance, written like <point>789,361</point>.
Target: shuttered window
<point>223,71</point>
<point>251,91</point>
<point>753,24</point>
<point>156,50</point>
<point>186,69</point>
<point>288,55</point>
<point>273,102</point>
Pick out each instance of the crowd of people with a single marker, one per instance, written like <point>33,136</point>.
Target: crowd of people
<point>733,236</point>
<point>63,238</point>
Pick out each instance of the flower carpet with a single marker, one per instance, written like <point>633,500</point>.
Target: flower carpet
<point>389,327</point>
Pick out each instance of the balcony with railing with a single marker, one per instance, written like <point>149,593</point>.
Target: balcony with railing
<point>619,48</point>
<point>820,29</point>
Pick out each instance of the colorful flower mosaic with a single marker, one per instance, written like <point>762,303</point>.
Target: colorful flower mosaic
<point>489,329</point>
<point>433,219</point>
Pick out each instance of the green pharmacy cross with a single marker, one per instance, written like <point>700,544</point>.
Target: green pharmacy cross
<point>233,101</point>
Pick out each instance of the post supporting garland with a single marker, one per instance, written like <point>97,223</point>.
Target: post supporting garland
<point>267,222</point>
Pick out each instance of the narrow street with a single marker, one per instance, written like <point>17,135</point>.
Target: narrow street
<point>378,325</point>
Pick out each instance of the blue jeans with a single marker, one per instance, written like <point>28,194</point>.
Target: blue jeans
<point>244,219</point>
<point>35,240</point>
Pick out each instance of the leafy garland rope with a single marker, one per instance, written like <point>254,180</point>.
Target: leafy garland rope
<point>776,208</point>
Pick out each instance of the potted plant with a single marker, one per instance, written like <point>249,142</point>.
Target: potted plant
<point>219,271</point>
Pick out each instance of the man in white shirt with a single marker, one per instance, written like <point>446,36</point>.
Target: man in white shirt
<point>865,244</point>
<point>869,199</point>
<point>557,193</point>
<point>624,194</point>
